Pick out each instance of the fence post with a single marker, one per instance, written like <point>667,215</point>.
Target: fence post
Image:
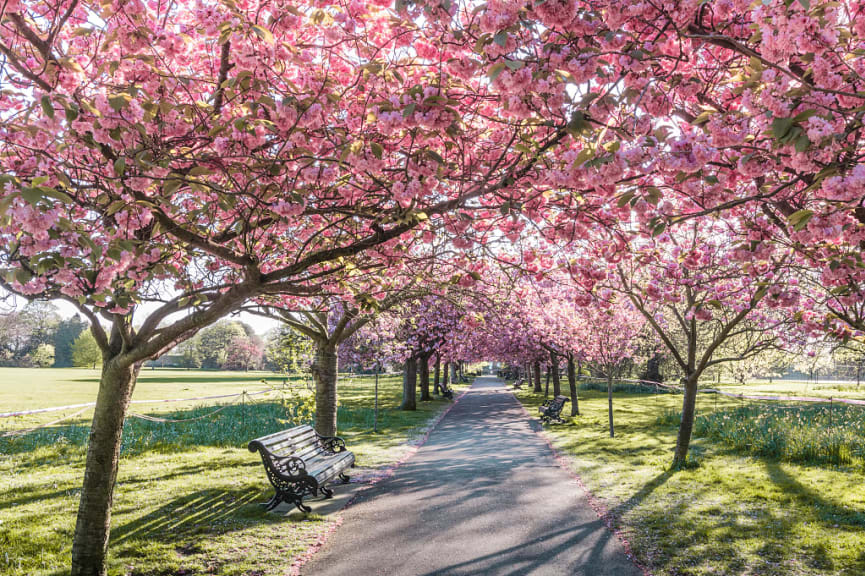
<point>831,406</point>
<point>375,415</point>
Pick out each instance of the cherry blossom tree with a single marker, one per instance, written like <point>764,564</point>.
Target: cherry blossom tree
<point>202,155</point>
<point>696,286</point>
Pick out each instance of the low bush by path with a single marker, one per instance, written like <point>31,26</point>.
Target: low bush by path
<point>187,494</point>
<point>732,514</point>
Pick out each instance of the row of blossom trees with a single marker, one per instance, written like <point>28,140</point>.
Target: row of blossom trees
<point>694,158</point>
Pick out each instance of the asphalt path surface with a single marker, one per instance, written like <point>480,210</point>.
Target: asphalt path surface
<point>484,495</point>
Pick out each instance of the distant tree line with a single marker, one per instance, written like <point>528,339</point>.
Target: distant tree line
<point>226,345</point>
<point>36,336</point>
<point>234,345</point>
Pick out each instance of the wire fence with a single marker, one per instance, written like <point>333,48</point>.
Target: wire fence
<point>233,399</point>
<point>760,397</point>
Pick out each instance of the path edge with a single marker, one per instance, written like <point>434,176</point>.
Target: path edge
<point>384,472</point>
<point>600,509</point>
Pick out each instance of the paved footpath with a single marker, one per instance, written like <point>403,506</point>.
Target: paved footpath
<point>484,495</point>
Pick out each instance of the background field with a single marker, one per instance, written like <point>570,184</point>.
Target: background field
<point>187,494</point>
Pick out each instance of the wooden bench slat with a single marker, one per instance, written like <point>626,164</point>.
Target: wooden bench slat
<point>293,444</point>
<point>296,431</point>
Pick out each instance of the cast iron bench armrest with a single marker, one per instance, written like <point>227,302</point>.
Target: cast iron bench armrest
<point>333,444</point>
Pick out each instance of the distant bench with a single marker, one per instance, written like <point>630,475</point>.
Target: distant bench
<point>518,384</point>
<point>299,462</point>
<point>551,410</point>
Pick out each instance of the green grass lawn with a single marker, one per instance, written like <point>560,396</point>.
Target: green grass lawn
<point>733,514</point>
<point>28,388</point>
<point>792,388</point>
<point>187,494</point>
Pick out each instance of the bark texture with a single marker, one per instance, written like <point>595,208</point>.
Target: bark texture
<point>554,366</point>
<point>537,374</point>
<point>572,384</point>
<point>610,404</point>
<point>324,375</point>
<point>409,385</point>
<point>93,523</point>
<point>424,379</point>
<point>686,427</point>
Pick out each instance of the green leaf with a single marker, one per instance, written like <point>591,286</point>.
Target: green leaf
<point>781,126</point>
<point>625,198</point>
<point>515,64</point>
<point>800,218</point>
<point>584,156</point>
<point>435,156</point>
<point>578,124</point>
<point>495,70</point>
<point>23,276</point>
<point>802,142</point>
<point>119,101</point>
<point>501,38</point>
<point>47,107</point>
<point>263,33</point>
<point>806,4</point>
<point>71,112</point>
<point>703,117</point>
<point>120,166</point>
<point>31,195</point>
<point>377,149</point>
<point>802,116</point>
<point>659,229</point>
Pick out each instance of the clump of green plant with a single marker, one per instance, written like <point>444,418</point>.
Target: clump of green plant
<point>621,386</point>
<point>811,434</point>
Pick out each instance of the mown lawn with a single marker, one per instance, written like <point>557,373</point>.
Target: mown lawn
<point>188,494</point>
<point>733,514</point>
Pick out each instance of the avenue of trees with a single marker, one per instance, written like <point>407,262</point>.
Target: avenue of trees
<point>555,183</point>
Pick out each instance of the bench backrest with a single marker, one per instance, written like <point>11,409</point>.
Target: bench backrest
<point>300,441</point>
<point>559,402</point>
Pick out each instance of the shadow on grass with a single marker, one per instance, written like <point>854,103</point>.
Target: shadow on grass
<point>826,511</point>
<point>200,512</point>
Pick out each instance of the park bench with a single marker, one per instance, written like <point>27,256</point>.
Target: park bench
<point>299,462</point>
<point>551,410</point>
<point>518,384</point>
<point>446,391</point>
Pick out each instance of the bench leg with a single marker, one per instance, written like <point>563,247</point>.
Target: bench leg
<point>344,477</point>
<point>298,501</point>
<point>273,502</point>
<point>328,493</point>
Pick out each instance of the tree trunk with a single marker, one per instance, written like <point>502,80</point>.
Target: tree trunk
<point>537,371</point>
<point>686,426</point>
<point>437,375</point>
<point>324,375</point>
<point>610,404</point>
<point>409,385</point>
<point>445,376</point>
<point>572,384</point>
<point>424,379</point>
<point>557,385</point>
<point>454,379</point>
<point>90,543</point>
<point>547,385</point>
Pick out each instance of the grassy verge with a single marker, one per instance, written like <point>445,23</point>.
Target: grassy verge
<point>734,514</point>
<point>187,494</point>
